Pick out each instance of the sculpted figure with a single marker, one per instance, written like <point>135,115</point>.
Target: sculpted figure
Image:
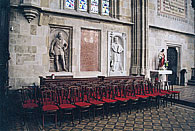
<point>58,48</point>
<point>161,57</point>
<point>116,62</point>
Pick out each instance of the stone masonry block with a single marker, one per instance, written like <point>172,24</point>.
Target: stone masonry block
<point>24,28</point>
<point>23,39</point>
<point>25,49</point>
<point>16,27</point>
<point>33,29</point>
<point>151,6</point>
<point>12,38</point>
<point>32,49</point>
<point>45,3</point>
<point>21,58</point>
<point>14,2</point>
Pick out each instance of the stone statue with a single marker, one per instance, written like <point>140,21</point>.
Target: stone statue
<point>161,57</point>
<point>58,48</point>
<point>116,62</point>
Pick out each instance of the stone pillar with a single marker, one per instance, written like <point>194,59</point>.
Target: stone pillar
<point>139,37</point>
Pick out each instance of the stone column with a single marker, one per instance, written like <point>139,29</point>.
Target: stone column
<point>139,37</point>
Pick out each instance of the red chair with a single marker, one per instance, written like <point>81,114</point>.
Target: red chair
<point>149,90</point>
<point>65,103</point>
<point>49,104</point>
<point>80,99</point>
<point>120,96</point>
<point>170,89</point>
<point>107,96</point>
<point>143,100</point>
<point>97,105</point>
<point>30,103</point>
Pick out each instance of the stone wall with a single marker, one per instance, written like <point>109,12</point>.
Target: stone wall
<point>171,21</point>
<point>167,30</point>
<point>29,41</point>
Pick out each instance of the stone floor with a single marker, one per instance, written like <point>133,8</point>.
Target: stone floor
<point>174,117</point>
<point>187,93</point>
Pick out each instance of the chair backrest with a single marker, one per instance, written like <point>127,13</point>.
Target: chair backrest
<point>49,97</point>
<point>29,94</point>
<point>78,94</point>
<point>63,95</point>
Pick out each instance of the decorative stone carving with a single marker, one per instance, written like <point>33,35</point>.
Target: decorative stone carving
<point>116,54</point>
<point>30,9</point>
<point>30,13</point>
<point>60,49</point>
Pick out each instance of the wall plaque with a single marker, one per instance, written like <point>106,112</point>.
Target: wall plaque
<point>176,8</point>
<point>90,50</point>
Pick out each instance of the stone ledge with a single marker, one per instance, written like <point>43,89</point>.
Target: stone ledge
<point>172,30</point>
<point>76,14</point>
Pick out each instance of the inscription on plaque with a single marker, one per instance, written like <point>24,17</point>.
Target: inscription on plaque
<point>90,41</point>
<point>173,7</point>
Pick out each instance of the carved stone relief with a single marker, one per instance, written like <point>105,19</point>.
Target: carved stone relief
<point>116,54</point>
<point>60,49</point>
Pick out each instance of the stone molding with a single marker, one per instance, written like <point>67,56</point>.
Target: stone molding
<point>30,11</point>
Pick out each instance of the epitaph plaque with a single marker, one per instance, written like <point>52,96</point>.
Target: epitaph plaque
<point>116,54</point>
<point>90,50</point>
<point>60,44</point>
<point>176,8</point>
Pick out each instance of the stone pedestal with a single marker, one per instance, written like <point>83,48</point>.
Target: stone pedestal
<point>162,75</point>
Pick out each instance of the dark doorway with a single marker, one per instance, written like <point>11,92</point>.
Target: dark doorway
<point>172,56</point>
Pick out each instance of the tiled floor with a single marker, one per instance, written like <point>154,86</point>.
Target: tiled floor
<point>173,118</point>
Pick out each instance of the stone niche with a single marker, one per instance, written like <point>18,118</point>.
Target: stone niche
<point>90,50</point>
<point>60,49</point>
<point>116,54</point>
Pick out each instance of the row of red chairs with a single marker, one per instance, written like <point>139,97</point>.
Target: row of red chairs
<point>93,97</point>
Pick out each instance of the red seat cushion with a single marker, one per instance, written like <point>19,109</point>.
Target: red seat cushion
<point>49,107</point>
<point>159,94</point>
<point>30,105</point>
<point>122,99</point>
<point>174,92</point>
<point>95,102</point>
<point>109,100</point>
<point>82,104</point>
<point>65,106</point>
<point>133,97</point>
<point>151,95</point>
<point>166,92</point>
<point>142,96</point>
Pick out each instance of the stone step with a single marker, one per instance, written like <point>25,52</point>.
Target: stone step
<point>191,82</point>
<point>193,78</point>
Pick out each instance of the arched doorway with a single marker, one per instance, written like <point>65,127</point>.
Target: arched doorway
<point>172,57</point>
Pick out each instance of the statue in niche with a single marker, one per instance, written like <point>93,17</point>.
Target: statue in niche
<point>116,62</point>
<point>161,57</point>
<point>58,48</point>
